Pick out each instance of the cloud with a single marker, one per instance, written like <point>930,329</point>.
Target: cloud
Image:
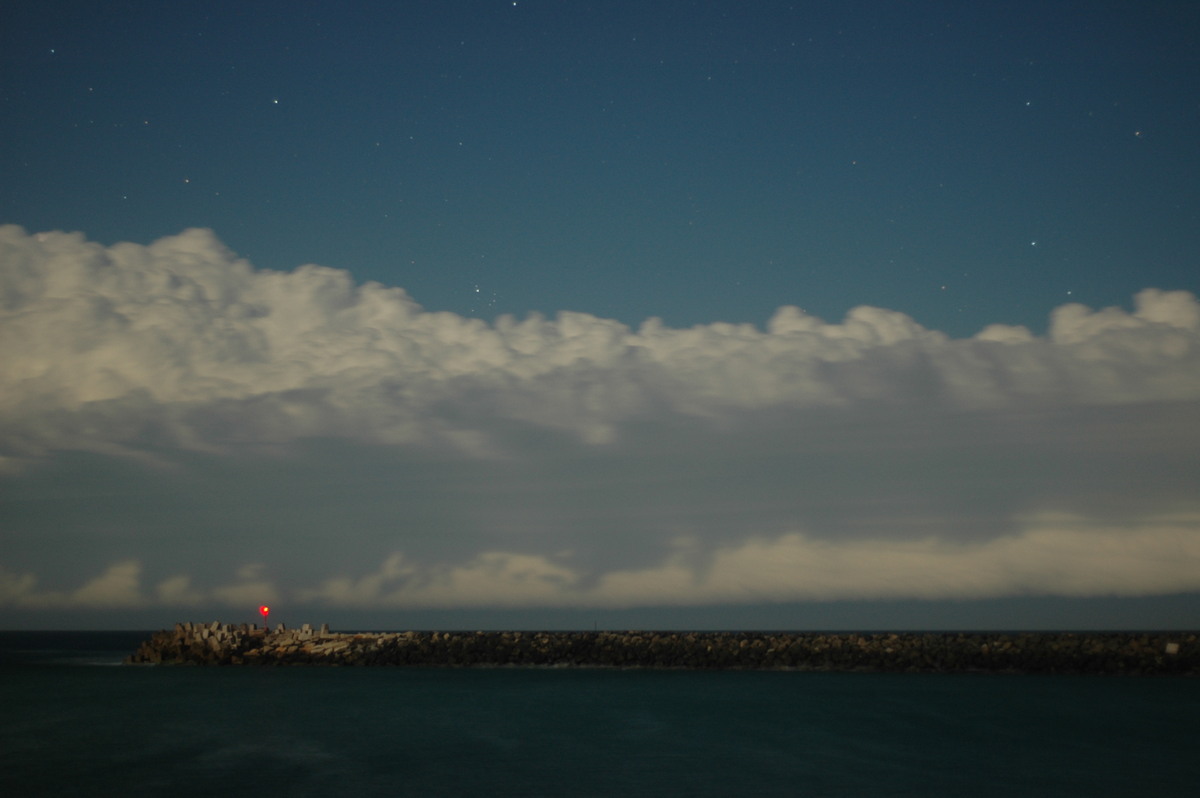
<point>173,411</point>
<point>120,587</point>
<point>15,588</point>
<point>251,588</point>
<point>1064,556</point>
<point>177,591</point>
<point>116,587</point>
<point>181,344</point>
<point>1054,555</point>
<point>491,578</point>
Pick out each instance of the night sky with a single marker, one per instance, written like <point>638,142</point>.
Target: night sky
<point>558,313</point>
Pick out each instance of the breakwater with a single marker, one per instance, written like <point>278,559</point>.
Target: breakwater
<point>216,643</point>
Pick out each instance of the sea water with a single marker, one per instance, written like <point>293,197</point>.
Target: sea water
<point>73,721</point>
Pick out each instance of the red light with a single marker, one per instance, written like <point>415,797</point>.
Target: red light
<point>264,610</point>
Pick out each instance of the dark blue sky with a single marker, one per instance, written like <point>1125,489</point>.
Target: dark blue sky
<point>696,161</point>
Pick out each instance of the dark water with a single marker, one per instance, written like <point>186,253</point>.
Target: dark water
<point>75,722</point>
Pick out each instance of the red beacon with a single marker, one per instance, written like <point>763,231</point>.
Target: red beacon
<point>264,611</point>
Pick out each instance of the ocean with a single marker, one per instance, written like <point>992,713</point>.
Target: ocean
<point>74,721</point>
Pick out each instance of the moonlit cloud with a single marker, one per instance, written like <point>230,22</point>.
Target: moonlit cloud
<point>171,413</point>
<point>118,586</point>
<point>1060,555</point>
<point>181,344</point>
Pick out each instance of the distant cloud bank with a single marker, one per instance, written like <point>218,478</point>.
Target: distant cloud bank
<point>578,461</point>
<point>180,343</point>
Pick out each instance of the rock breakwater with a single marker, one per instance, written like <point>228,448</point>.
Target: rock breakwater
<point>941,652</point>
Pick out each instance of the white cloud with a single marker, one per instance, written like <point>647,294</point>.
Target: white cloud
<point>365,591</point>
<point>120,587</point>
<point>116,587</point>
<point>252,588</point>
<point>1053,555</point>
<point>178,591</point>
<point>181,344</point>
<point>326,427</point>
<point>1057,555</point>
<point>490,579</point>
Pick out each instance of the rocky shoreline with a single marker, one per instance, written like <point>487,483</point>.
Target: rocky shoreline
<point>1149,653</point>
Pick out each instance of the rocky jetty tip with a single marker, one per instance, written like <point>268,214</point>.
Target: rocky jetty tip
<point>1153,653</point>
